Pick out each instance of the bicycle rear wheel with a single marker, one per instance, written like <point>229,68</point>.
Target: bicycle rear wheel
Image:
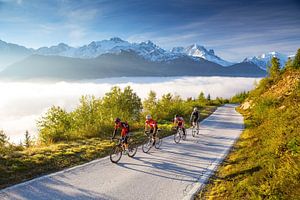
<point>116,154</point>
<point>177,136</point>
<point>147,146</point>
<point>183,136</point>
<point>132,149</point>
<point>158,143</point>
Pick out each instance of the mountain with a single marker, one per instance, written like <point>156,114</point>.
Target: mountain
<point>115,45</point>
<point>198,51</point>
<point>148,50</point>
<point>11,53</point>
<point>263,60</point>
<point>125,63</point>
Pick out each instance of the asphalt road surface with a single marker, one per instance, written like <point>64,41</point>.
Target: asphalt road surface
<point>175,171</point>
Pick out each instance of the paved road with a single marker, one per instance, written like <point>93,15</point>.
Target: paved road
<point>175,171</point>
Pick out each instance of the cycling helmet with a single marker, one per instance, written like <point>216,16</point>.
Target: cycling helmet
<point>176,116</point>
<point>148,117</point>
<point>195,109</point>
<point>117,120</point>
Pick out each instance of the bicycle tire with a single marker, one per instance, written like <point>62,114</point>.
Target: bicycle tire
<point>132,149</point>
<point>158,143</point>
<point>177,137</point>
<point>147,146</point>
<point>194,131</point>
<point>116,154</point>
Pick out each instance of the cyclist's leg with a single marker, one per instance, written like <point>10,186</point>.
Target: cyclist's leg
<point>124,138</point>
<point>183,130</point>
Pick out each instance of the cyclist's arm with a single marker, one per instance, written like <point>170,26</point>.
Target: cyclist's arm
<point>114,133</point>
<point>192,116</point>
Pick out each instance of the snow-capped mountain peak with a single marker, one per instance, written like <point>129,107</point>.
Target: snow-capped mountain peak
<point>263,60</point>
<point>198,51</point>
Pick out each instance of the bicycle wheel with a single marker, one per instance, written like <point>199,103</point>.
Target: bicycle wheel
<point>194,131</point>
<point>183,136</point>
<point>132,149</point>
<point>158,142</point>
<point>147,146</point>
<point>177,136</point>
<point>116,154</point>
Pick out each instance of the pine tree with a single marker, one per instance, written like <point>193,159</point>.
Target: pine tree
<point>296,62</point>
<point>208,97</point>
<point>274,69</point>
<point>288,64</point>
<point>27,139</point>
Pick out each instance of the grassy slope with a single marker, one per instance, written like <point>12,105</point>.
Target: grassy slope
<point>22,165</point>
<point>265,161</point>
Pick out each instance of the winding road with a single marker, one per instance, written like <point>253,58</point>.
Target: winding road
<point>175,171</point>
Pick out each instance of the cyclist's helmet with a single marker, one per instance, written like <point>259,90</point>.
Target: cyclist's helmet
<point>176,116</point>
<point>195,109</point>
<point>148,117</point>
<point>117,120</point>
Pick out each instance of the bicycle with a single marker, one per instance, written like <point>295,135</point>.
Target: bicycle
<point>119,150</point>
<point>179,135</point>
<point>195,129</point>
<point>150,142</point>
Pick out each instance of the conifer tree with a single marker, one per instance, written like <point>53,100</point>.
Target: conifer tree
<point>274,69</point>
<point>296,63</point>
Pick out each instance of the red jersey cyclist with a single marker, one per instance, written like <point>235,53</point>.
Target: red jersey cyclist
<point>179,123</point>
<point>152,124</point>
<point>124,131</point>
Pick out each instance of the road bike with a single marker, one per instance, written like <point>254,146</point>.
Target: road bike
<point>120,149</point>
<point>150,142</point>
<point>179,135</point>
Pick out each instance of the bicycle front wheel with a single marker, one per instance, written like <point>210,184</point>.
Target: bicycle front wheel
<point>147,146</point>
<point>158,143</point>
<point>116,154</point>
<point>194,131</point>
<point>177,137</point>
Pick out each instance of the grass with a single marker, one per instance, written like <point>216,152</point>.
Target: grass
<point>23,164</point>
<point>265,161</point>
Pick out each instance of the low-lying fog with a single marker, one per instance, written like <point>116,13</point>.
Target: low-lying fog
<point>22,103</point>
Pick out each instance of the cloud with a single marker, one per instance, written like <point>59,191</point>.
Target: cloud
<point>25,102</point>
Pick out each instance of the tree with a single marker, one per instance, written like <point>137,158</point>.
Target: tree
<point>288,64</point>
<point>296,62</point>
<point>274,69</point>
<point>126,105</point>
<point>201,97</point>
<point>3,138</point>
<point>208,97</point>
<point>87,117</point>
<point>28,140</point>
<point>54,125</point>
<point>150,103</point>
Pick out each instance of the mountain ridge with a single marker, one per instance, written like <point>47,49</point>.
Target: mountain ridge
<point>126,63</point>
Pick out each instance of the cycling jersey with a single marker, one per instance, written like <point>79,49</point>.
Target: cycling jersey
<point>152,123</point>
<point>194,116</point>
<point>179,121</point>
<point>124,128</point>
<point>153,126</point>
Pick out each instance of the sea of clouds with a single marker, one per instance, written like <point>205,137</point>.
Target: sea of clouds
<point>23,103</point>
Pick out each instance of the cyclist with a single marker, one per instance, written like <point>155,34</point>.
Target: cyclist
<point>152,124</point>
<point>179,123</point>
<point>195,117</point>
<point>124,131</point>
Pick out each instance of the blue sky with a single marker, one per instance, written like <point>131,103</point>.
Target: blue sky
<point>234,29</point>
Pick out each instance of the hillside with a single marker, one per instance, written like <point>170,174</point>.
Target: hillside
<point>126,63</point>
<point>265,162</point>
